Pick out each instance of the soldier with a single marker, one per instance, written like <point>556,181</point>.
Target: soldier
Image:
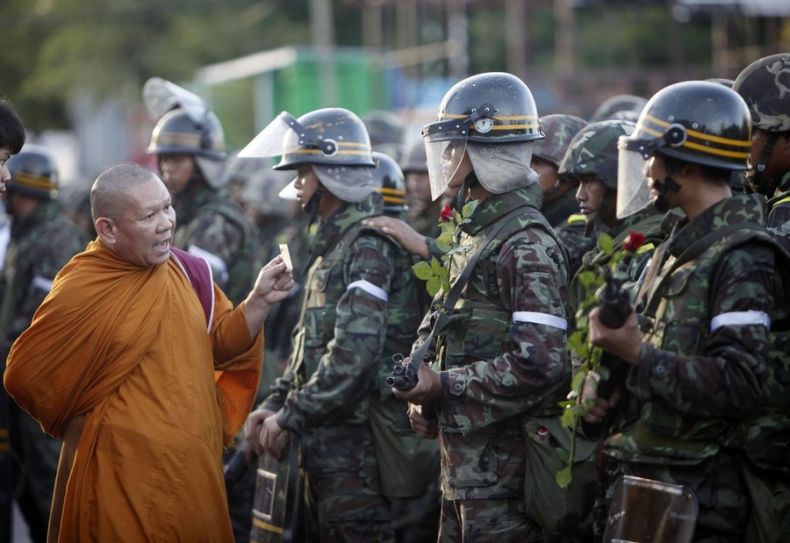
<point>12,137</point>
<point>501,353</point>
<point>386,131</point>
<point>358,312</point>
<point>190,148</point>
<point>42,241</point>
<point>423,212</point>
<point>765,86</point>
<point>699,364</point>
<point>559,202</point>
<point>591,163</point>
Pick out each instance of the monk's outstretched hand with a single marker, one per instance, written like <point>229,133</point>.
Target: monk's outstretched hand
<point>274,283</point>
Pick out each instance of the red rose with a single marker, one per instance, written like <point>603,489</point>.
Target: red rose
<point>633,241</point>
<point>446,214</point>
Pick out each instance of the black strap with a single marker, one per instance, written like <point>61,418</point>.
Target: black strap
<point>443,314</point>
<point>691,252</point>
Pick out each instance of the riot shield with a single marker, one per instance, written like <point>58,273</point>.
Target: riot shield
<point>648,511</point>
<point>278,497</point>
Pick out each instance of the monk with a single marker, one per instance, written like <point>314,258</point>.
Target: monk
<point>143,367</point>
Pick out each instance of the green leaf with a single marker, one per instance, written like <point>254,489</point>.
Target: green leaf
<point>605,243</point>
<point>422,270</point>
<point>568,418</point>
<point>564,477</point>
<point>436,266</point>
<point>469,208</point>
<point>433,285</point>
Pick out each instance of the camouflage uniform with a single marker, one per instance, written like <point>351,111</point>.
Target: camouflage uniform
<point>212,227</point>
<point>560,210</point>
<point>358,312</point>
<point>577,238</point>
<point>40,246</point>
<point>697,373</point>
<point>498,365</point>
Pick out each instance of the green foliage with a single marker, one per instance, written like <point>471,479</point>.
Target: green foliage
<point>436,274</point>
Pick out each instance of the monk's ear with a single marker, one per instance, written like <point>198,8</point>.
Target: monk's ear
<point>106,229</point>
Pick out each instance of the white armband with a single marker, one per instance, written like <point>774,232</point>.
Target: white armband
<point>740,318</point>
<point>370,288</point>
<point>540,318</point>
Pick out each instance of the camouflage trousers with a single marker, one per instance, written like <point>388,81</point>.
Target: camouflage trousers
<point>481,521</point>
<point>769,493</point>
<point>342,486</point>
<point>717,483</point>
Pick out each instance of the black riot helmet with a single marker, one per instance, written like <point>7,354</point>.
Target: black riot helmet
<point>33,173</point>
<point>491,108</point>
<point>331,140</point>
<point>177,132</point>
<point>698,122</point>
<point>621,106</point>
<point>765,86</point>
<point>390,182</point>
<point>414,160</point>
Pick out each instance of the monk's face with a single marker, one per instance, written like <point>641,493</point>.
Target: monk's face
<point>145,230</point>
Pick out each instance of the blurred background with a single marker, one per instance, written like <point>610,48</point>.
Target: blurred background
<point>74,69</point>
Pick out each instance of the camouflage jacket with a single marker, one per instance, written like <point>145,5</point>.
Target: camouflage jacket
<point>502,355</point>
<point>214,228</point>
<point>39,247</point>
<point>558,211</point>
<point>358,311</point>
<point>703,359</point>
<point>577,238</point>
<point>779,212</point>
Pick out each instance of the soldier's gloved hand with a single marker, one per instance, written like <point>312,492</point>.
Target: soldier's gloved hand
<point>270,437</point>
<point>405,235</point>
<point>428,387</point>
<point>622,342</point>
<point>427,428</point>
<point>253,427</point>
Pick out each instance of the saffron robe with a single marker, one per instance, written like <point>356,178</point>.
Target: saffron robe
<point>127,348</point>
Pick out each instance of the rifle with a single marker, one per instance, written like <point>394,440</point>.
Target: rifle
<point>615,307</point>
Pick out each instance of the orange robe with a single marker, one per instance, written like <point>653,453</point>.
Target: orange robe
<point>128,348</point>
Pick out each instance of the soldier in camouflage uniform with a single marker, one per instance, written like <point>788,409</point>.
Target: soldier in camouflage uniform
<point>621,107</point>
<point>765,85</point>
<point>423,213</point>
<point>190,148</point>
<point>12,137</point>
<point>559,195</point>
<point>699,364</point>
<point>501,356</point>
<point>591,163</point>
<point>42,241</point>
<point>358,312</point>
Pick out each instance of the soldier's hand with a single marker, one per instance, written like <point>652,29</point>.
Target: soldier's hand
<point>269,437</point>
<point>253,427</point>
<point>428,387</point>
<point>427,428</point>
<point>405,235</point>
<point>622,342</point>
<point>597,412</point>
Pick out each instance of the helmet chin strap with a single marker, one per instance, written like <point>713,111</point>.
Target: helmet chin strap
<point>460,199</point>
<point>759,180</point>
<point>663,187</point>
<point>311,207</point>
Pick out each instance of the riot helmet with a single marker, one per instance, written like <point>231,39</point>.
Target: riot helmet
<point>384,127</point>
<point>698,122</point>
<point>618,107</point>
<point>765,86</point>
<point>178,132</point>
<point>493,116</point>
<point>560,129</point>
<point>34,173</point>
<point>390,183</point>
<point>331,140</point>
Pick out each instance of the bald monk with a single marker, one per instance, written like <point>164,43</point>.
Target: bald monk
<point>143,367</point>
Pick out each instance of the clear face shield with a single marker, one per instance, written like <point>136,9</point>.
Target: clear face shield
<point>445,147</point>
<point>285,136</point>
<point>633,193</point>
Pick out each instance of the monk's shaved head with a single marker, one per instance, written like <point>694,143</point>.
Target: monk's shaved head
<point>110,190</point>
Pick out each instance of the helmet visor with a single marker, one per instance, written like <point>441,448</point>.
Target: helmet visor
<point>280,137</point>
<point>633,194</point>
